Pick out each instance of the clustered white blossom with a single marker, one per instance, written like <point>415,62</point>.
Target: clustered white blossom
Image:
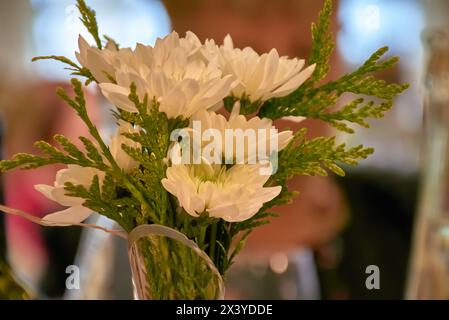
<point>189,79</point>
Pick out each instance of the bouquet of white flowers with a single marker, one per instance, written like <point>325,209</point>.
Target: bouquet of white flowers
<point>187,184</point>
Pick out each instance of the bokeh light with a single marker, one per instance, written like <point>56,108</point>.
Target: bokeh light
<point>367,25</point>
<point>56,27</point>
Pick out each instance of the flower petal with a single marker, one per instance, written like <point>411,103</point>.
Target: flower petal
<point>294,83</point>
<point>67,217</point>
<point>118,96</point>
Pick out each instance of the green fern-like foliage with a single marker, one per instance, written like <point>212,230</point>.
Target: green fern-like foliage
<point>137,197</point>
<point>89,19</point>
<point>318,101</point>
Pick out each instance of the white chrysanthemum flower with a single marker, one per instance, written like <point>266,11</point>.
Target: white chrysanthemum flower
<point>234,194</point>
<point>99,62</point>
<point>260,77</point>
<point>83,176</point>
<point>157,55</point>
<point>258,137</point>
<point>171,71</point>
<point>76,213</point>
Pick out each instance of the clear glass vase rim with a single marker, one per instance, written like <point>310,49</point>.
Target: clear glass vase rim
<point>160,230</point>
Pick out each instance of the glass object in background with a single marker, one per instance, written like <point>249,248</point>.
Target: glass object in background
<point>291,276</point>
<point>429,275</point>
<point>166,265</point>
<point>104,269</point>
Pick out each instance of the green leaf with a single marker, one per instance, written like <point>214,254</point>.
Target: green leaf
<point>60,59</point>
<point>92,151</point>
<point>71,149</point>
<point>104,199</point>
<point>238,247</point>
<point>322,44</point>
<point>75,68</point>
<point>312,157</point>
<point>312,100</point>
<point>89,20</point>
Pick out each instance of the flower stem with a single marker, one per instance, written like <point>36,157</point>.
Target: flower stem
<point>202,237</point>
<point>213,239</point>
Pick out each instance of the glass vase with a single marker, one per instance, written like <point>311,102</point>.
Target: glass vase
<point>429,272</point>
<point>166,265</point>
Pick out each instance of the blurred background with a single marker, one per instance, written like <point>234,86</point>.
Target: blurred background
<point>322,244</point>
